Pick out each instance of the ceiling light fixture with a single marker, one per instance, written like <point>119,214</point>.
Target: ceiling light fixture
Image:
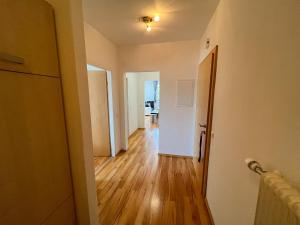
<point>148,28</point>
<point>156,18</point>
<point>148,20</point>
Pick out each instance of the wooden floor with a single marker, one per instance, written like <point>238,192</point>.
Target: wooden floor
<point>140,187</point>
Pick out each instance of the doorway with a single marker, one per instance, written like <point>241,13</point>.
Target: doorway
<point>142,103</point>
<point>204,111</point>
<point>152,103</point>
<point>101,109</point>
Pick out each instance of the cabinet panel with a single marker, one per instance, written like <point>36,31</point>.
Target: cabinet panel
<point>64,215</point>
<point>34,162</point>
<point>27,31</point>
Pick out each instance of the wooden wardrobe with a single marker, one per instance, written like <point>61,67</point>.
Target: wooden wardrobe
<point>35,180</point>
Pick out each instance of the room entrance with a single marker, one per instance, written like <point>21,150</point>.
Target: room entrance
<point>152,103</point>
<point>142,102</point>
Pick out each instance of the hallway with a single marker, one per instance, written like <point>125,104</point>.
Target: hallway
<point>140,187</point>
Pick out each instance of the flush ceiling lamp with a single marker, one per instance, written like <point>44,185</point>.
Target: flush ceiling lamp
<point>148,21</point>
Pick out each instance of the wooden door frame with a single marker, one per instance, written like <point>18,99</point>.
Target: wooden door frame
<point>212,84</point>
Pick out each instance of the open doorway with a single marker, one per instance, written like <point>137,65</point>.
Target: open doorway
<point>101,109</point>
<point>152,103</point>
<point>142,103</point>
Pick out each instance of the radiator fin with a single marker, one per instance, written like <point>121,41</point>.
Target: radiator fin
<point>278,202</point>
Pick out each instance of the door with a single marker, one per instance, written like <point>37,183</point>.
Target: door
<point>99,112</point>
<point>34,160</point>
<point>204,114</point>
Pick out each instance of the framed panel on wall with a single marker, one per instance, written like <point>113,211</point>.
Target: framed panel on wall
<point>185,93</point>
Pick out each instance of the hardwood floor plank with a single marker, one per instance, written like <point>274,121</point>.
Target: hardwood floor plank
<point>139,187</point>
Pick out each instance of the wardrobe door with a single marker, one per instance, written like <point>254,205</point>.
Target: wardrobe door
<point>27,37</point>
<point>34,163</point>
<point>64,215</point>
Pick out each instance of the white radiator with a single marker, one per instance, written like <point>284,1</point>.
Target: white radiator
<point>278,202</point>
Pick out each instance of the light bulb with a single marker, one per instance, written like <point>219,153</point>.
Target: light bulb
<point>156,18</point>
<point>148,28</point>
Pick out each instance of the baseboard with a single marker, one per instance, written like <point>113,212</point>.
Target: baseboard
<point>134,133</point>
<point>176,156</point>
<point>122,150</point>
<point>209,212</point>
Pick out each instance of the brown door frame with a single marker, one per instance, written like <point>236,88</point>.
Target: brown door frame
<point>212,84</point>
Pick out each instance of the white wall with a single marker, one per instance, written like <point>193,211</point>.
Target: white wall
<point>132,99</point>
<point>69,25</point>
<point>257,105</point>
<point>102,53</point>
<point>174,61</point>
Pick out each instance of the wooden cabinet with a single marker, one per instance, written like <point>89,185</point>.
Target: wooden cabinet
<point>35,180</point>
<point>27,33</point>
<point>64,215</point>
<point>34,161</point>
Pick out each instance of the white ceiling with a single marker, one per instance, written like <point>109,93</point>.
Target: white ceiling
<point>118,20</point>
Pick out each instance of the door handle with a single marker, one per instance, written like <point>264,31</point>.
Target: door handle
<point>203,125</point>
<point>11,58</point>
